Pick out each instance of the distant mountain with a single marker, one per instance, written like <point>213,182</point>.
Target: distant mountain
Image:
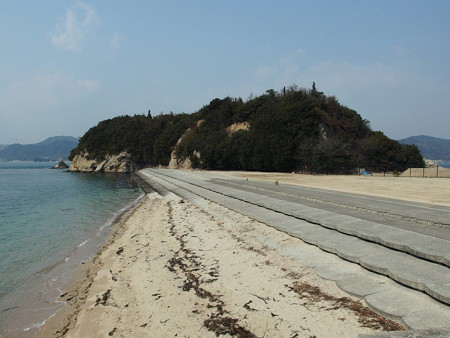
<point>431,147</point>
<point>51,149</point>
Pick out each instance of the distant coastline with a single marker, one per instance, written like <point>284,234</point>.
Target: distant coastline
<point>51,149</point>
<point>63,218</point>
<point>442,163</point>
<point>430,147</point>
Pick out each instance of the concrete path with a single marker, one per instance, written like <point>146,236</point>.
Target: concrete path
<point>382,251</point>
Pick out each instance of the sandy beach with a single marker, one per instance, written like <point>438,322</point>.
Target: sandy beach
<point>173,269</point>
<point>415,189</point>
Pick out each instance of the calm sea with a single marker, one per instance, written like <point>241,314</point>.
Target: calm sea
<point>50,221</point>
<point>445,164</point>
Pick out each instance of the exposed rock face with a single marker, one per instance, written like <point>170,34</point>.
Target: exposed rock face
<point>81,163</point>
<point>429,163</point>
<point>61,165</point>
<point>176,163</point>
<point>185,163</point>
<point>238,126</point>
<point>323,132</point>
<point>120,163</point>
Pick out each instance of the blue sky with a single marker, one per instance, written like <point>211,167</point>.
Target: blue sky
<point>66,65</point>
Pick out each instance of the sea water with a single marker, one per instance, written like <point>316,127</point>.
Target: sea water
<point>444,164</point>
<point>50,222</point>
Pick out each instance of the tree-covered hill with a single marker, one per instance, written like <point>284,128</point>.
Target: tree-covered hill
<point>294,129</point>
<point>431,147</point>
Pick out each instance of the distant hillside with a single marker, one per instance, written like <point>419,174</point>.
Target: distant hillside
<point>431,147</point>
<point>294,129</point>
<point>51,149</point>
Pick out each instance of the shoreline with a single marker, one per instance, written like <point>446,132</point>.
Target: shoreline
<point>32,314</point>
<point>168,267</point>
<point>82,273</point>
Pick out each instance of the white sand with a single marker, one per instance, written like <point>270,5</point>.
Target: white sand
<point>416,189</point>
<point>171,269</point>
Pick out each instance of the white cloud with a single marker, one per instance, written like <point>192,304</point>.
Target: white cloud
<point>74,27</point>
<point>115,41</point>
<point>402,51</point>
<point>295,56</point>
<point>360,76</point>
<point>46,90</point>
<point>91,86</point>
<point>334,76</point>
<point>263,72</point>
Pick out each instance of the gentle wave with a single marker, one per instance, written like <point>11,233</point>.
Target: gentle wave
<point>50,222</point>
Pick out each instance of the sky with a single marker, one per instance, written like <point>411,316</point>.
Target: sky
<point>66,65</point>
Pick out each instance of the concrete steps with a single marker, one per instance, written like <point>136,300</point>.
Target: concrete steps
<point>418,261</point>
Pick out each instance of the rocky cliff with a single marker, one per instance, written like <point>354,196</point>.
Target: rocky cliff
<point>60,165</point>
<point>120,163</point>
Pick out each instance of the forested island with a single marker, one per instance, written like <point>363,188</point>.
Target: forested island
<point>294,129</point>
